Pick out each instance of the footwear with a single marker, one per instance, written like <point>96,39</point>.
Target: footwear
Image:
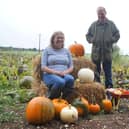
<point>109,96</point>
<point>54,93</point>
<point>66,92</point>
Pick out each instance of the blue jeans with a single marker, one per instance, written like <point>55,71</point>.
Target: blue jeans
<point>107,67</point>
<point>58,84</point>
<point>57,81</point>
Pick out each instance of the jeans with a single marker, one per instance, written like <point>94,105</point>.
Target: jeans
<point>107,67</point>
<point>58,84</point>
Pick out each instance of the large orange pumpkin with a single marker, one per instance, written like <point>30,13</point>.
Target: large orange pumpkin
<point>59,104</point>
<point>40,110</point>
<point>77,49</point>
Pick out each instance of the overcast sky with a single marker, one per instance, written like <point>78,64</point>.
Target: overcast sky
<point>21,21</point>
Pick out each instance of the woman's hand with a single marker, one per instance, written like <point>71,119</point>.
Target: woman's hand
<point>59,73</point>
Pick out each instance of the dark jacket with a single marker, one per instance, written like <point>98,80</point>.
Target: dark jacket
<point>102,36</point>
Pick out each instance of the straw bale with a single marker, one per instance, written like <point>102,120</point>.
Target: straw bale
<point>81,62</point>
<point>93,92</point>
<point>39,87</point>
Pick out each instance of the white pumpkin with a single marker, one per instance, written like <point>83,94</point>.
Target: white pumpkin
<point>86,75</point>
<point>69,114</point>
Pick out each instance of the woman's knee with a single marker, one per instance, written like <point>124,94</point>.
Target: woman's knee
<point>69,78</point>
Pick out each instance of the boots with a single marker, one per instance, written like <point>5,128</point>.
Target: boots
<point>67,92</point>
<point>54,93</point>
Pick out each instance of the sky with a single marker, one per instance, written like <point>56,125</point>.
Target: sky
<point>21,21</point>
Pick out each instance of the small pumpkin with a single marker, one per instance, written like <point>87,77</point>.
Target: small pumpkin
<point>77,49</point>
<point>86,75</point>
<point>40,110</point>
<point>82,106</point>
<point>107,105</point>
<point>59,104</point>
<point>94,108</point>
<point>69,114</point>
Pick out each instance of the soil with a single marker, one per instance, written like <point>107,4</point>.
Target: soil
<point>115,120</point>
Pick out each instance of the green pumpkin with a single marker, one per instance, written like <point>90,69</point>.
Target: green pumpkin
<point>82,106</point>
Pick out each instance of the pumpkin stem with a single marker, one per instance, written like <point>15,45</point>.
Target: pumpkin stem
<point>106,97</point>
<point>75,42</point>
<point>93,99</point>
<point>69,106</point>
<point>61,95</point>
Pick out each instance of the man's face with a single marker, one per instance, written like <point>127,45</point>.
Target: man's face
<point>101,15</point>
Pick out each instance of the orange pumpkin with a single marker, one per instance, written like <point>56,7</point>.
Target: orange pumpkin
<point>40,110</point>
<point>82,106</point>
<point>107,105</point>
<point>77,49</point>
<point>94,108</point>
<point>59,104</point>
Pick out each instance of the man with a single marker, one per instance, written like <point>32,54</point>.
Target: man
<point>103,33</point>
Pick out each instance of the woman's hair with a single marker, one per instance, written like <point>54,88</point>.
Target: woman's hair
<point>53,36</point>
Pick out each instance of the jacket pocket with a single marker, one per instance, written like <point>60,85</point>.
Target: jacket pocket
<point>107,54</point>
<point>95,54</point>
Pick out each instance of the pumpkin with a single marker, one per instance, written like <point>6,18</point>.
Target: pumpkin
<point>77,49</point>
<point>40,110</point>
<point>26,82</point>
<point>82,106</point>
<point>94,108</point>
<point>86,75</point>
<point>69,114</point>
<point>59,104</point>
<point>107,105</point>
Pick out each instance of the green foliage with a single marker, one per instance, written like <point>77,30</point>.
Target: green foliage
<point>11,94</point>
<point>118,58</point>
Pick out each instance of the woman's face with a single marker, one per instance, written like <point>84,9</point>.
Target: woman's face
<point>58,41</point>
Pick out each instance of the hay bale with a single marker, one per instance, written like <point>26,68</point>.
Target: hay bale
<point>88,90</point>
<point>39,87</point>
<point>36,63</point>
<point>81,62</point>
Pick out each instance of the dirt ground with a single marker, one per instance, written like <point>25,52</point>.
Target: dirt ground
<point>115,120</point>
<point>110,121</point>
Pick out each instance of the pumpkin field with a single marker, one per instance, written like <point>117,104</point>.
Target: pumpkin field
<point>17,90</point>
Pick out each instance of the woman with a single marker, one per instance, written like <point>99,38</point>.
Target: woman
<point>56,64</point>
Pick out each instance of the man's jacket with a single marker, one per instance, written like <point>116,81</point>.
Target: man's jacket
<point>102,36</point>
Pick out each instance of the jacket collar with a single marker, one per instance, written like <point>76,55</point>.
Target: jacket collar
<point>105,22</point>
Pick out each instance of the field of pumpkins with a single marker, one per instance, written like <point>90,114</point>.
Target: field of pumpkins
<point>24,105</point>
